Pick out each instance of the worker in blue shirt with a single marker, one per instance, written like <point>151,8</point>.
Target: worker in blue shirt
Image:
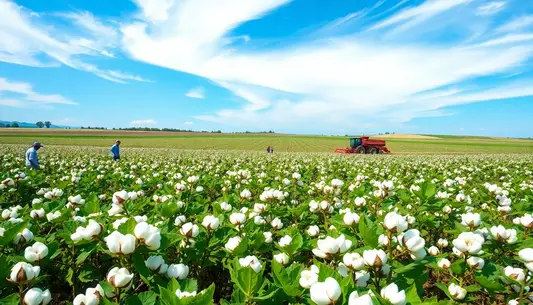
<point>115,150</point>
<point>31,156</point>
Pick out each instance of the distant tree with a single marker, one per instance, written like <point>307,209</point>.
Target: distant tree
<point>2,125</point>
<point>15,125</point>
<point>7,125</point>
<point>40,124</point>
<point>48,124</point>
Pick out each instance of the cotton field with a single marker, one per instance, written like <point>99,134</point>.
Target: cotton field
<point>198,227</point>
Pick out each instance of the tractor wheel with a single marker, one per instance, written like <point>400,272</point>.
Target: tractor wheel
<point>373,151</point>
<point>360,150</point>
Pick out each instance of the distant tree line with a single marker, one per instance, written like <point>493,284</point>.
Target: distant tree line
<point>12,125</point>
<point>46,124</point>
<point>164,129</point>
<point>238,132</point>
<point>15,124</point>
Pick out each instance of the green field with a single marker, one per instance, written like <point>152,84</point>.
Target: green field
<point>258,142</point>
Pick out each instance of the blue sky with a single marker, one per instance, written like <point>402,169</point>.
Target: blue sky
<point>297,66</point>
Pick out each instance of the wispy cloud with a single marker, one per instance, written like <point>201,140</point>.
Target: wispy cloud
<point>143,123</point>
<point>26,96</point>
<point>412,16</point>
<point>99,37</point>
<point>187,123</point>
<point>328,81</point>
<point>517,24</point>
<point>198,93</point>
<point>126,76</point>
<point>24,40</point>
<point>490,8</point>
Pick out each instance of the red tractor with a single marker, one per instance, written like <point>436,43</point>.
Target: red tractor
<point>364,145</point>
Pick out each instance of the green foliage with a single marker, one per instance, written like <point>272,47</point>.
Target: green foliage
<point>70,268</point>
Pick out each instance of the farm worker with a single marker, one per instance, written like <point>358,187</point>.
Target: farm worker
<point>268,149</point>
<point>115,150</point>
<point>31,156</point>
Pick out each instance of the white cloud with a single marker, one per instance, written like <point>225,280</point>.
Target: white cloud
<point>25,39</point>
<point>329,80</point>
<point>101,37</point>
<point>26,96</point>
<point>490,8</point>
<point>197,92</point>
<point>517,24</point>
<point>143,123</point>
<point>187,123</point>
<point>126,76</point>
<point>415,15</point>
<point>508,39</point>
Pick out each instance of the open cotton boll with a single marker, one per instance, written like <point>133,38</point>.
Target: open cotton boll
<point>119,277</point>
<point>325,293</point>
<point>393,295</point>
<point>36,252</point>
<point>24,272</point>
<point>36,296</point>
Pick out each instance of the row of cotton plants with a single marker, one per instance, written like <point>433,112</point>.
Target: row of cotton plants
<point>172,227</point>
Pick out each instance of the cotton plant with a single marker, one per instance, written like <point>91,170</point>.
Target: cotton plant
<point>311,228</point>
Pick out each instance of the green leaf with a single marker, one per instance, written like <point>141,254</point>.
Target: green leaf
<point>241,248</point>
<point>143,298</point>
<point>91,206</point>
<point>430,190</point>
<point>86,276</point>
<point>296,244</point>
<point>133,300</point>
<point>459,267</point>
<point>431,301</point>
<point>266,296</point>
<point>4,272</point>
<point>140,267</point>
<point>168,297</point>
<point>83,256</point>
<point>53,250</point>
<point>287,278</point>
<point>70,276</point>
<point>326,271</point>
<point>12,299</point>
<point>407,268</point>
<point>472,288</point>
<point>10,233</point>
<point>203,298</point>
<point>368,231</point>
<point>106,287</point>
<point>128,227</point>
<point>188,285</point>
<point>528,243</point>
<point>492,285</point>
<point>444,289</point>
<point>147,297</point>
<point>411,295</point>
<point>249,280</point>
<point>173,285</point>
<point>169,209</point>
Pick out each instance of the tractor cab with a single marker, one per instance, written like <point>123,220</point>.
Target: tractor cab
<point>364,145</point>
<point>354,142</point>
